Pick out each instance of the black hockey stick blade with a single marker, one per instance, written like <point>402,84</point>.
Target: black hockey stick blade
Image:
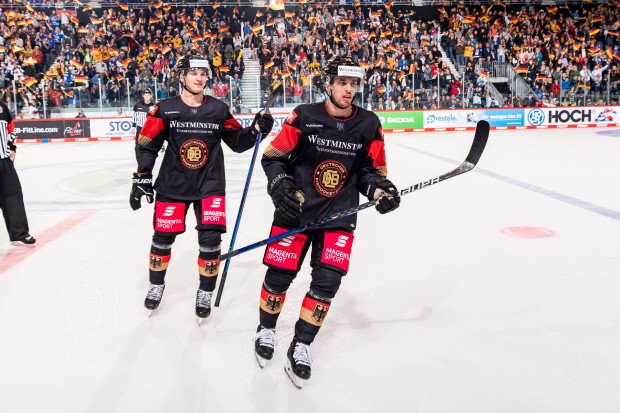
<point>475,152</point>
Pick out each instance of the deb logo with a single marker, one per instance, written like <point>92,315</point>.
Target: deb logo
<point>119,126</point>
<point>536,117</point>
<point>342,241</point>
<point>169,211</point>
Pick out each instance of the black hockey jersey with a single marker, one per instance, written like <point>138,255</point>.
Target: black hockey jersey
<point>193,165</point>
<point>330,159</point>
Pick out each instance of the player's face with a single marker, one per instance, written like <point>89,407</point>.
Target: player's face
<point>343,90</point>
<point>195,80</point>
<point>148,97</point>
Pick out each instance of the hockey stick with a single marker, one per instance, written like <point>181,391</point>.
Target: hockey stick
<point>480,140</point>
<point>272,95</point>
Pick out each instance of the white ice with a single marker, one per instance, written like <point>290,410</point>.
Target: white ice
<point>441,311</point>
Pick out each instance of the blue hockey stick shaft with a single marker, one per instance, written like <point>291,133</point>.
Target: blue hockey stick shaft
<point>238,221</point>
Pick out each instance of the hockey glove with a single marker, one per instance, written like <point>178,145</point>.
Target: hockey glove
<point>263,122</point>
<point>386,193</point>
<point>142,185</point>
<point>286,196</point>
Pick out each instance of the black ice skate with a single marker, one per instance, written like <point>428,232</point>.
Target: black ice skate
<point>264,343</point>
<point>203,304</point>
<point>299,363</point>
<point>25,241</point>
<point>153,297</point>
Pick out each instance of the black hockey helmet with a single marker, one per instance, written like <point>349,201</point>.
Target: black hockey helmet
<point>192,61</point>
<point>342,66</point>
<point>147,91</point>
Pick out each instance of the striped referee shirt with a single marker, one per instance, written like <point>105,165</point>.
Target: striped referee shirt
<point>7,137</point>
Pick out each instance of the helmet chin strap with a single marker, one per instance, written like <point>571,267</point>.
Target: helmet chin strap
<point>331,99</point>
<point>186,88</point>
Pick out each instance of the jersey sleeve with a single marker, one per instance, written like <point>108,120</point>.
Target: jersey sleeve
<point>374,165</point>
<point>278,154</point>
<point>10,127</point>
<point>238,138</point>
<point>150,140</point>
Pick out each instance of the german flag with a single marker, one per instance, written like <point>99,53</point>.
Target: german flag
<point>159,15</point>
<point>123,7</point>
<point>356,3</point>
<point>75,20</point>
<point>379,61</point>
<point>223,29</point>
<point>553,9</point>
<point>381,89</point>
<point>158,4</point>
<point>29,81</point>
<point>154,46</point>
<point>387,33</point>
<point>612,33</point>
<point>269,64</point>
<point>270,23</point>
<point>363,65</point>
<point>292,66</point>
<point>400,76</point>
<point>83,30</point>
<point>166,49</point>
<point>594,32</point>
<point>617,56</point>
<point>96,21</point>
<point>125,62</point>
<point>114,52</point>
<point>120,78</point>
<point>345,22</point>
<point>215,5</point>
<point>551,55</point>
<point>259,14</point>
<point>198,13</point>
<point>2,49</point>
<point>80,79</point>
<point>76,64</point>
<point>196,39</point>
<point>547,38</point>
<point>114,22</point>
<point>521,69</point>
<point>257,27</point>
<point>393,48</point>
<point>375,14</point>
<point>289,14</point>
<point>371,36</point>
<point>286,73</point>
<point>292,38</point>
<point>167,7</point>
<point>152,20</point>
<point>224,69</point>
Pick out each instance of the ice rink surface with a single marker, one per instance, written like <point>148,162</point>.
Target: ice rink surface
<point>497,291</point>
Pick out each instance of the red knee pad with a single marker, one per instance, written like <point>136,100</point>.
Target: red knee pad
<point>286,252</point>
<point>214,210</point>
<point>337,249</point>
<point>169,216</point>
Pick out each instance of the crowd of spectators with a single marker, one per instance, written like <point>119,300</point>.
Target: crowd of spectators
<point>568,55</point>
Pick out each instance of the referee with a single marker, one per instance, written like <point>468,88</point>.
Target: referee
<point>140,110</point>
<point>11,197</point>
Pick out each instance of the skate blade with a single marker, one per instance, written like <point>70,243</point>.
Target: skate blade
<point>297,381</point>
<point>200,320</point>
<point>22,245</point>
<point>149,313</point>
<point>261,361</point>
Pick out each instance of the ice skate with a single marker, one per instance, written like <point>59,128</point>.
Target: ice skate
<point>26,241</point>
<point>153,297</point>
<point>299,363</point>
<point>203,304</point>
<point>264,344</point>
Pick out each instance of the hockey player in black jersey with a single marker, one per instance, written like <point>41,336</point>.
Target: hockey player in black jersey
<point>191,175</point>
<point>140,110</point>
<point>322,158</point>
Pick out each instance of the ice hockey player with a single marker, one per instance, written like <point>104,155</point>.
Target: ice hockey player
<point>191,175</point>
<point>323,157</point>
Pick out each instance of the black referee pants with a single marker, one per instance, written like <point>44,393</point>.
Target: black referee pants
<point>12,201</point>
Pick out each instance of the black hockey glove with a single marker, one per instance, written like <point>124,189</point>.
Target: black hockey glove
<point>142,185</point>
<point>386,193</point>
<point>286,196</point>
<point>263,122</point>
